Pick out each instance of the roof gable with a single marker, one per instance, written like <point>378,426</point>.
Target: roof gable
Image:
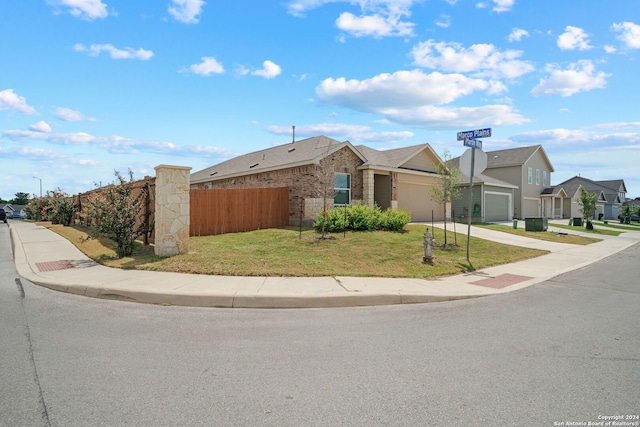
<point>614,184</point>
<point>416,157</point>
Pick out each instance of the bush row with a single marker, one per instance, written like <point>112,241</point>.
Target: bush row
<point>56,207</point>
<point>361,218</point>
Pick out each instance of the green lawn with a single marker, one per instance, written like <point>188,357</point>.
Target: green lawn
<point>282,252</point>
<point>582,229</point>
<point>634,226</point>
<point>542,235</point>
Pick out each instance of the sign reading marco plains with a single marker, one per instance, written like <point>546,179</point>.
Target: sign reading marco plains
<point>473,134</point>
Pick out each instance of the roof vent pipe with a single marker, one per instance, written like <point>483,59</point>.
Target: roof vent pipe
<point>294,134</point>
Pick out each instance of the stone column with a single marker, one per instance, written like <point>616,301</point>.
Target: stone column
<point>368,186</point>
<point>172,216</point>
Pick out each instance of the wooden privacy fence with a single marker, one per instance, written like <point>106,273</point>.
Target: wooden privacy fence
<point>146,216</point>
<point>219,211</point>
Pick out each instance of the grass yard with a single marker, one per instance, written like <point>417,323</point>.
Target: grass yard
<point>280,252</point>
<point>543,235</point>
<point>634,226</point>
<point>596,231</point>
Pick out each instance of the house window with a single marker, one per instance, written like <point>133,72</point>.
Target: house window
<point>529,175</point>
<point>544,178</point>
<point>537,176</point>
<point>341,189</point>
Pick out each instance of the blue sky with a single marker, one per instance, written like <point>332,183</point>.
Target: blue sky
<point>92,86</point>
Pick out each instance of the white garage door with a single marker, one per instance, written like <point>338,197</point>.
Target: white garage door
<point>416,199</point>
<point>496,207</point>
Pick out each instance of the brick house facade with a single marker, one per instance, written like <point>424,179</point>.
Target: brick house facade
<point>308,168</point>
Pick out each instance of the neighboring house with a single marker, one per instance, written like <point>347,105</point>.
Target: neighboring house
<point>15,211</point>
<point>609,197</point>
<point>520,174</point>
<point>322,171</point>
<point>530,170</point>
<point>492,199</point>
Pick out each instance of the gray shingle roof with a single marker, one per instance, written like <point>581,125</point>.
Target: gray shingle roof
<point>514,156</point>
<point>303,152</point>
<point>299,153</point>
<point>390,158</point>
<point>572,185</point>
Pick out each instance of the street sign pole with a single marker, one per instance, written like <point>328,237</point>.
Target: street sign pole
<point>469,138</point>
<point>470,211</point>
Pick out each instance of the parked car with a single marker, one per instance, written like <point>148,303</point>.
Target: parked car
<point>3,216</point>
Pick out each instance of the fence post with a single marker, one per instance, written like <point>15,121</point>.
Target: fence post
<point>172,217</point>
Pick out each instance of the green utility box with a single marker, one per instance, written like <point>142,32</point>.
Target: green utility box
<point>577,221</point>
<point>535,224</point>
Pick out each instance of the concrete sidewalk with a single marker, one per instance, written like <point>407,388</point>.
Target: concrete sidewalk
<point>47,259</point>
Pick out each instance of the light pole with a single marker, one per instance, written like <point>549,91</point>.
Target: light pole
<point>39,179</point>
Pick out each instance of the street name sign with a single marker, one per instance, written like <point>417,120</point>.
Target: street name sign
<point>473,143</point>
<point>476,133</point>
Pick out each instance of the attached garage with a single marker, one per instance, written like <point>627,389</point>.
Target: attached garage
<point>497,206</point>
<point>414,195</point>
<point>492,200</point>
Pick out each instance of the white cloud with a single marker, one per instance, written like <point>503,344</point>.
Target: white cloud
<point>412,98</point>
<point>41,126</point>
<point>502,5</point>
<point>618,125</point>
<point>402,88</point>
<point>338,129</point>
<point>354,133</point>
<point>208,66</point>
<point>579,77</point>
<point>481,59</point>
<point>610,49</point>
<point>85,9</point>
<point>375,25</point>
<point>69,115</point>
<point>58,138</point>
<point>456,117</point>
<point>186,11</point>
<point>517,34</point>
<point>574,38</point>
<point>443,21</point>
<point>553,136</point>
<point>115,53</point>
<point>9,100</point>
<point>378,18</point>
<point>629,34</point>
<point>269,70</point>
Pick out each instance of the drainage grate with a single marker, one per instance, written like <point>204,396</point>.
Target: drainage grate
<point>53,265</point>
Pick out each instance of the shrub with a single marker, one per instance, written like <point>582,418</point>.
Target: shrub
<point>361,218</point>
<point>115,211</point>
<point>56,207</point>
<point>395,220</point>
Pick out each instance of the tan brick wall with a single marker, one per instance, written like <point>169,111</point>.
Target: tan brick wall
<point>309,183</point>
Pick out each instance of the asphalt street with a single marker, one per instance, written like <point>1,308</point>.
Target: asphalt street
<point>564,350</point>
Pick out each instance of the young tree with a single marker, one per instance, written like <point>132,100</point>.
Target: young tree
<point>449,188</point>
<point>116,210</point>
<point>587,204</point>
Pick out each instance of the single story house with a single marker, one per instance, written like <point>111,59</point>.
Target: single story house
<point>15,211</point>
<point>323,172</point>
